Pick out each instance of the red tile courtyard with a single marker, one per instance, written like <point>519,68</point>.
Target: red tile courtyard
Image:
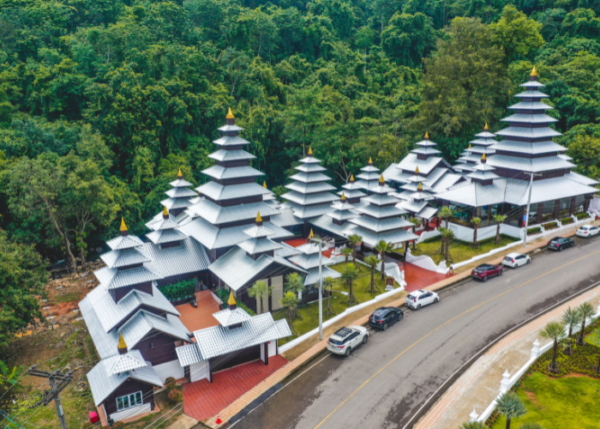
<point>418,278</point>
<point>202,399</point>
<point>200,317</point>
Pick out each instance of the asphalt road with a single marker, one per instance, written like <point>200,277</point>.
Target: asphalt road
<point>384,383</point>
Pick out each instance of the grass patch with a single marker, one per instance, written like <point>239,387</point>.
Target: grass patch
<point>594,338</point>
<point>310,312</point>
<point>558,403</point>
<point>459,250</point>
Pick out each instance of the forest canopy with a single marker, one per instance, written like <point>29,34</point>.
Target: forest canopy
<point>101,102</point>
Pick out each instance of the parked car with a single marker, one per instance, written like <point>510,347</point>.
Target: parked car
<point>586,231</point>
<point>384,317</point>
<point>560,243</point>
<point>485,271</point>
<point>421,298</point>
<point>345,340</point>
<point>515,260</point>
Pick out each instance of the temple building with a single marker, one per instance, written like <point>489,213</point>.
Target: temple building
<point>483,144</point>
<point>134,328</point>
<point>310,195</point>
<point>369,178</point>
<point>335,222</point>
<point>308,259</point>
<point>180,198</point>
<point>437,174</point>
<point>380,219</point>
<point>526,149</point>
<point>415,199</point>
<point>255,259</point>
<point>231,197</point>
<point>237,339</point>
<point>352,192</point>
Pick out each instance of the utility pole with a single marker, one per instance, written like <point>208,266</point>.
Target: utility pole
<point>52,395</point>
<point>319,243</point>
<point>528,204</point>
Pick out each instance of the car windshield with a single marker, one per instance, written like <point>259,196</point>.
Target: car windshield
<point>508,258</point>
<point>336,342</point>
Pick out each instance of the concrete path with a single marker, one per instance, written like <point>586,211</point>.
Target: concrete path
<point>384,383</point>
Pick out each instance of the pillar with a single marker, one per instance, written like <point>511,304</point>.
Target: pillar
<point>556,208</point>
<point>572,206</point>
<point>504,384</point>
<point>540,209</point>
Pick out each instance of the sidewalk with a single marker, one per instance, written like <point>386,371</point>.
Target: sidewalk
<point>480,384</point>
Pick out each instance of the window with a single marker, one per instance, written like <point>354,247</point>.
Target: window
<point>563,207</point>
<point>548,211</point>
<point>128,401</point>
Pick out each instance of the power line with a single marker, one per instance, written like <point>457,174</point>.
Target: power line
<point>53,394</point>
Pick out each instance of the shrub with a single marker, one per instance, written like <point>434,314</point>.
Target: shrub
<point>180,290</point>
<point>550,225</point>
<point>223,295</point>
<point>118,425</point>
<point>534,230</point>
<point>566,220</point>
<point>583,215</point>
<point>170,382</point>
<point>175,396</point>
<point>245,307</point>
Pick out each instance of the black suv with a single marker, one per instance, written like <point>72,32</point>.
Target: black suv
<point>383,317</point>
<point>560,243</point>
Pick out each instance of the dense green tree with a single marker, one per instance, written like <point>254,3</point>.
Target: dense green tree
<point>516,34</point>
<point>408,38</point>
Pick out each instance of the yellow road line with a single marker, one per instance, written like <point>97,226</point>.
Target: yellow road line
<point>444,324</point>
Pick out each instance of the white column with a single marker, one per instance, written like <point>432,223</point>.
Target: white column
<point>535,350</point>
<point>504,384</point>
<point>473,416</point>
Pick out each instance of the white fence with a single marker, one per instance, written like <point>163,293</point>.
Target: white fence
<point>508,381</point>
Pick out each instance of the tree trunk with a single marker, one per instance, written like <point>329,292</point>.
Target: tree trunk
<point>414,242</point>
<point>580,337</point>
<point>508,423</point>
<point>475,237</point>
<point>372,280</point>
<point>354,254</point>
<point>598,368</point>
<point>553,363</point>
<point>382,265</point>
<point>498,233</point>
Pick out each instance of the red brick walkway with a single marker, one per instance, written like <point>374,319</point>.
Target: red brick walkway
<point>419,278</point>
<point>202,399</point>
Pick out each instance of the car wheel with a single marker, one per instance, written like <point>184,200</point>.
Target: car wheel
<point>485,279</point>
<point>385,326</point>
<point>560,249</point>
<point>365,339</point>
<point>419,307</point>
<point>500,273</point>
<point>528,262</point>
<point>348,351</point>
<point>436,300</point>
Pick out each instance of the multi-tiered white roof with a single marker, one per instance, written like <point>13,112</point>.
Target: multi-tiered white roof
<point>483,144</point>
<point>336,220</point>
<point>308,259</point>
<point>310,194</point>
<point>369,178</point>
<point>231,197</point>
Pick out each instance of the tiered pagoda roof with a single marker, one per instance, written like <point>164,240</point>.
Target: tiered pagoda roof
<point>415,196</point>
<point>308,259</point>
<point>381,219</point>
<point>310,194</point>
<point>369,178</point>
<point>231,197</point>
<point>165,230</point>
<point>352,191</point>
<point>180,197</point>
<point>483,144</point>
<point>335,220</point>
<point>436,174</point>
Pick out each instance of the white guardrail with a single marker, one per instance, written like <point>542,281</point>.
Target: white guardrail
<point>508,381</point>
<point>302,338</point>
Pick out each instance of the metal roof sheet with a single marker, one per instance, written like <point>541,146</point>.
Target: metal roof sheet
<point>393,173</point>
<point>113,278</point>
<point>380,212</point>
<point>124,242</point>
<point>326,222</point>
<point>286,251</point>
<point>286,218</point>
<point>258,245</point>
<point>217,340</point>
<point>310,168</point>
<point>576,177</point>
<point>380,199</point>
<point>410,163</point>
<point>533,84</point>
<point>219,172</point>
<point>546,163</point>
<point>539,118</point>
<point>528,147</point>
<point>258,231</point>
<point>371,238</point>
<point>309,199</point>
<point>531,133</point>
<point>369,176</point>
<point>412,206</point>
<point>231,155</point>
<point>143,323</point>
<point>188,257</point>
<point>313,275</point>
<point>531,94</point>
<point>307,212</point>
<point>230,128</point>
<point>310,177</point>
<point>310,188</point>
<point>230,317</point>
<point>176,203</point>
<point>124,258</point>
<point>530,105</point>
<point>427,212</point>
<point>188,354</point>
<point>218,192</point>
<point>482,175</point>
<point>426,151</point>
<point>180,183</point>
<point>308,261</point>
<point>181,193</point>
<point>352,193</point>
<point>380,225</point>
<point>216,214</point>
<point>341,215</point>
<point>310,160</point>
<point>162,223</point>
<point>446,182</point>
<point>127,362</point>
<point>369,168</point>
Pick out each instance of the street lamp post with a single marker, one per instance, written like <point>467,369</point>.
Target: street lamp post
<point>528,204</point>
<point>319,243</point>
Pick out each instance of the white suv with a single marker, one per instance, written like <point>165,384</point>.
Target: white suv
<point>345,340</point>
<point>421,298</point>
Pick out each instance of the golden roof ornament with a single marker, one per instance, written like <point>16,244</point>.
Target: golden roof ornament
<point>229,114</point>
<point>420,187</point>
<point>310,151</point>
<point>534,72</point>
<point>311,235</point>
<point>265,184</point>
<point>417,170</point>
<point>381,179</point>
<point>486,128</point>
<point>426,135</point>
<point>469,145</point>
<point>352,177</point>
<point>370,161</point>
<point>258,218</point>
<point>231,300</point>
<point>483,158</point>
<point>122,345</point>
<point>165,212</point>
<point>123,226</point>
<point>343,197</point>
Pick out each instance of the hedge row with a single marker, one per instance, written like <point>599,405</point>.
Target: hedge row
<point>550,225</point>
<point>534,230</point>
<point>566,220</point>
<point>180,290</point>
<point>583,215</point>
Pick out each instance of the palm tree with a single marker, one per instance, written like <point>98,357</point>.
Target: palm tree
<point>553,331</point>
<point>476,221</point>
<point>290,301</point>
<point>354,240</point>
<point>473,425</point>
<point>570,317</point>
<point>447,236</point>
<point>498,218</point>
<point>446,213</point>
<point>328,287</point>
<point>346,251</point>
<point>260,290</point>
<point>350,274</point>
<point>383,247</point>
<point>531,426</point>
<point>415,223</point>
<point>510,405</point>
<point>372,261</point>
<point>586,311</point>
<point>294,284</point>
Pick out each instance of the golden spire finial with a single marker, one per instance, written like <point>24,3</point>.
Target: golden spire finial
<point>229,114</point>
<point>343,197</point>
<point>469,146</point>
<point>122,345</point>
<point>179,174</point>
<point>483,157</point>
<point>420,187</point>
<point>310,151</point>
<point>486,128</point>
<point>311,235</point>
<point>231,300</point>
<point>352,177</point>
<point>417,170</point>
<point>381,179</point>
<point>165,212</point>
<point>534,72</point>
<point>265,184</point>
<point>370,161</point>
<point>426,135</point>
<point>258,218</point>
<point>123,226</point>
